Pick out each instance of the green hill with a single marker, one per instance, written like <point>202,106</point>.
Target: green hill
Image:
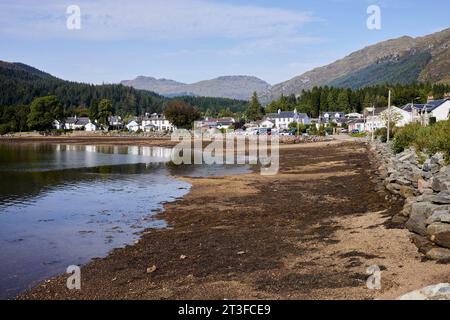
<point>20,84</point>
<point>406,70</point>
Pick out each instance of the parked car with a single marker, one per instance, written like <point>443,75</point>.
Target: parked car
<point>264,131</point>
<point>355,131</point>
<point>344,130</point>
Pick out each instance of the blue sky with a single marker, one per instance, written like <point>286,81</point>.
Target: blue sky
<point>192,40</point>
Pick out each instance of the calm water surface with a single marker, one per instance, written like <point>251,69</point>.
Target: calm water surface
<point>63,205</point>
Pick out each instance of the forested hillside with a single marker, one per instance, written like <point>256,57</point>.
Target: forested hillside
<point>321,99</point>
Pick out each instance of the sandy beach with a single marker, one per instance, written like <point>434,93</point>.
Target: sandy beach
<point>309,232</point>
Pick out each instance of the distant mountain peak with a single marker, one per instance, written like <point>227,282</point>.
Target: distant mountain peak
<point>239,87</point>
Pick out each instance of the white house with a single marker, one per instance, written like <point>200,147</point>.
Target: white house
<point>90,127</point>
<point>72,123</point>
<point>267,124</point>
<point>378,119</point>
<point>333,117</point>
<point>133,126</point>
<point>283,119</point>
<point>422,113</point>
<point>356,124</point>
<point>215,123</point>
<point>115,122</point>
<point>158,121</point>
<point>354,115</point>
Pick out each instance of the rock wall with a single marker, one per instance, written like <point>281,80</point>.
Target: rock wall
<point>425,187</point>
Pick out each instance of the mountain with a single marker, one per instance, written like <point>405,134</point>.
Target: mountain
<point>403,60</point>
<point>233,87</point>
<point>22,71</point>
<point>20,84</point>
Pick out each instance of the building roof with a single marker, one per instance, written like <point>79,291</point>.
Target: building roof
<point>82,121</point>
<point>132,123</point>
<point>332,114</point>
<point>429,106</point>
<point>286,114</point>
<point>115,119</point>
<point>356,121</point>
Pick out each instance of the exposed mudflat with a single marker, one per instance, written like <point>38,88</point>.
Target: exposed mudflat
<point>309,232</point>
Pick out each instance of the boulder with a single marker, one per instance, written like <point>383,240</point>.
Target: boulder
<point>440,183</point>
<point>393,188</point>
<point>423,208</point>
<point>403,182</point>
<point>426,175</point>
<point>439,216</point>
<point>422,185</point>
<point>441,198</point>
<point>436,292</point>
<point>417,223</point>
<point>439,254</point>
<point>439,233</point>
<point>430,166</point>
<point>422,243</point>
<point>406,192</point>
<point>438,159</point>
<point>407,155</point>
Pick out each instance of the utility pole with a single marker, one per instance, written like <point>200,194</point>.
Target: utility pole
<point>389,118</point>
<point>373,119</point>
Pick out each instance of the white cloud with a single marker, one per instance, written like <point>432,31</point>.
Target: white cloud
<point>274,44</point>
<point>154,19</point>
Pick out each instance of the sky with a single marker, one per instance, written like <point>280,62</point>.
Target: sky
<point>193,40</point>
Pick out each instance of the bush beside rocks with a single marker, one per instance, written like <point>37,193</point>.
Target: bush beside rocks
<point>424,183</point>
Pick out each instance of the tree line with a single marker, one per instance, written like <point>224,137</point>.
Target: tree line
<point>322,99</point>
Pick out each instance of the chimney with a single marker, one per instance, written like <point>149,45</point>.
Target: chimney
<point>430,98</point>
<point>279,111</point>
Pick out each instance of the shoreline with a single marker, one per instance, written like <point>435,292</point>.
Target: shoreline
<point>96,140</point>
<point>302,234</point>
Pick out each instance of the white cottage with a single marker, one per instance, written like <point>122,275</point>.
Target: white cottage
<point>283,119</point>
<point>133,126</point>
<point>422,113</point>
<point>90,127</point>
<point>157,121</point>
<point>378,119</point>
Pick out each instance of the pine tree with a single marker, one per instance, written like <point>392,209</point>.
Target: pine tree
<point>255,110</point>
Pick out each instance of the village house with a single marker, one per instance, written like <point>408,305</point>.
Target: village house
<point>356,124</point>
<point>116,123</point>
<point>354,115</point>
<point>333,117</point>
<point>438,109</point>
<point>215,123</point>
<point>282,119</point>
<point>133,126</point>
<point>378,118</point>
<point>157,122</point>
<point>91,127</point>
<point>72,123</point>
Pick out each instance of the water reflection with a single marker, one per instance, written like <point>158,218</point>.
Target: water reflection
<point>65,204</point>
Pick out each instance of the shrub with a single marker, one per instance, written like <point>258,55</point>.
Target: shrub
<point>359,135</point>
<point>428,140</point>
<point>405,137</point>
<point>381,133</point>
<point>5,128</point>
<point>329,130</point>
<point>433,139</point>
